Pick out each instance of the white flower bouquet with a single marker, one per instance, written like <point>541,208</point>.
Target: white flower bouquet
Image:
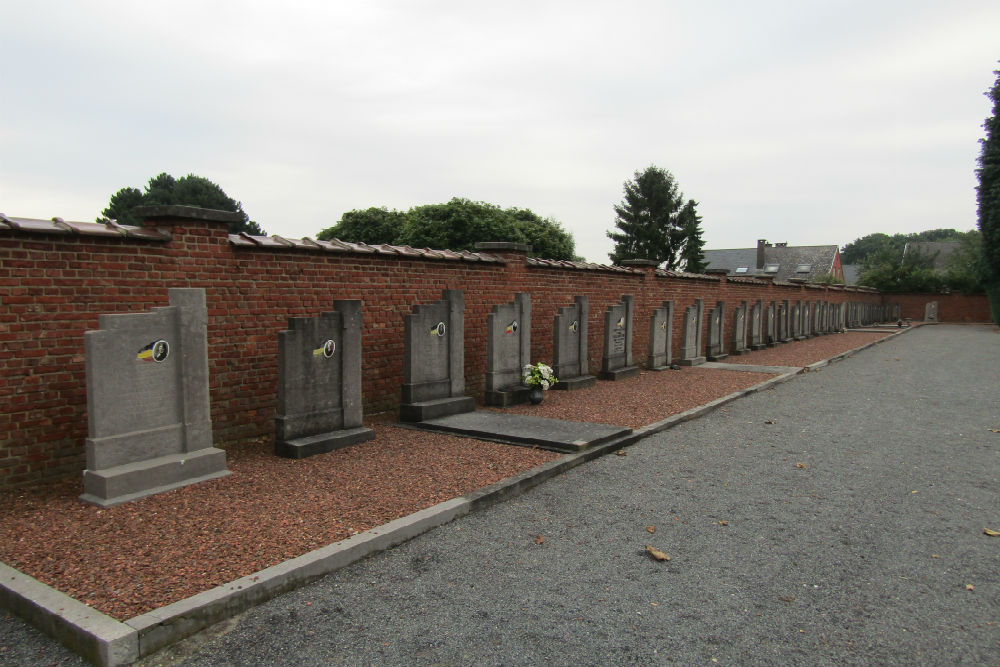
<point>539,375</point>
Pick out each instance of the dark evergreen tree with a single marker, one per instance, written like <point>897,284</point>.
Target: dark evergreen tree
<point>988,201</point>
<point>649,219</point>
<point>692,254</point>
<point>189,190</point>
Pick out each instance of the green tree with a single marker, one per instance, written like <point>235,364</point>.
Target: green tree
<point>188,190</point>
<point>890,271</point>
<point>964,272</point>
<point>456,225</point>
<point>372,225</point>
<point>988,201</point>
<point>860,249</point>
<point>649,219</point>
<point>692,254</point>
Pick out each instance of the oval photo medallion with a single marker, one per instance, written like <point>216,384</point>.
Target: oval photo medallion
<point>161,350</point>
<point>329,347</point>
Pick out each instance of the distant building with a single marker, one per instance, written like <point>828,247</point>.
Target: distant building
<point>938,251</point>
<point>780,261</point>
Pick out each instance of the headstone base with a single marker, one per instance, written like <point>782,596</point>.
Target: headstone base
<point>695,361</point>
<point>665,367</point>
<point>501,398</point>
<point>620,373</point>
<point>321,443</point>
<point>131,481</point>
<point>439,407</point>
<point>762,346</point>
<point>717,357</point>
<point>579,382</point>
<point>737,353</point>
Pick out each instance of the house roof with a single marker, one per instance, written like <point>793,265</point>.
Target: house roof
<point>939,251</point>
<point>851,273</point>
<point>791,262</point>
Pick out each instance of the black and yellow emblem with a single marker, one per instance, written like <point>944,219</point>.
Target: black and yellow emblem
<point>156,351</point>
<point>326,349</point>
<point>574,326</point>
<point>621,322</point>
<point>439,330</point>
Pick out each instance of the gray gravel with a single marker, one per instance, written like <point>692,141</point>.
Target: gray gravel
<point>853,525</point>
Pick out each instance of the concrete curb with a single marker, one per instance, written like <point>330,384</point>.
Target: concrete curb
<point>108,642</point>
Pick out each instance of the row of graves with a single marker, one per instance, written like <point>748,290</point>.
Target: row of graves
<point>148,399</point>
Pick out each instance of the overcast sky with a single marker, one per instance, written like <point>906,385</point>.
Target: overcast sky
<point>805,122</point>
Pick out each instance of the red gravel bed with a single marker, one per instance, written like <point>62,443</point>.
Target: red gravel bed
<point>805,352</point>
<point>132,558</point>
<point>642,400</point>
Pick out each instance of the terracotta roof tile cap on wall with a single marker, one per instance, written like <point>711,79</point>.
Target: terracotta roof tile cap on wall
<point>109,228</point>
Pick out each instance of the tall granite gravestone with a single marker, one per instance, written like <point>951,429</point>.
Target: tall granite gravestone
<point>931,311</point>
<point>319,383</point>
<point>757,325</point>
<point>807,320</point>
<point>508,351</point>
<point>617,361</point>
<point>434,360</point>
<point>784,319</point>
<point>661,337</point>
<point>569,346</point>
<point>771,335</point>
<point>147,402</point>
<point>691,350</point>
<point>796,320</point>
<point>716,335</point>
<point>740,329</point>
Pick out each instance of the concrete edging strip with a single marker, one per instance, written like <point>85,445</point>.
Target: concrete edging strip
<point>109,643</point>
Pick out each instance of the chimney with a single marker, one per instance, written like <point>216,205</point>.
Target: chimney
<point>761,244</point>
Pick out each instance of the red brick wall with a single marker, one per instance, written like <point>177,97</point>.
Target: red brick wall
<point>951,307</point>
<point>53,287</point>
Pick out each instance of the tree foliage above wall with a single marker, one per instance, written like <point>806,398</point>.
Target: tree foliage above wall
<point>456,225</point>
<point>190,190</point>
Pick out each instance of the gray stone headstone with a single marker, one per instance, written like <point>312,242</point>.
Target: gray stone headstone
<point>771,332</point>
<point>931,311</point>
<point>740,329</point>
<point>757,325</point>
<point>807,320</point>
<point>319,383</point>
<point>784,321</point>
<point>716,335</point>
<point>434,360</point>
<point>148,408</point>
<point>569,346</point>
<point>508,351</point>
<point>661,337</point>
<point>797,320</point>
<point>616,364</point>
<point>691,349</point>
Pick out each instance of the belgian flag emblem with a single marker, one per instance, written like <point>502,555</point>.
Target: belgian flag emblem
<point>574,326</point>
<point>326,349</point>
<point>621,322</point>
<point>439,330</point>
<point>156,351</point>
<point>511,328</point>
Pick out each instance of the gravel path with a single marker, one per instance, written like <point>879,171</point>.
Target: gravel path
<point>845,531</point>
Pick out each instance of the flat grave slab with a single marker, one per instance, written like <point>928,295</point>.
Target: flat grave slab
<point>751,368</point>
<point>557,434</point>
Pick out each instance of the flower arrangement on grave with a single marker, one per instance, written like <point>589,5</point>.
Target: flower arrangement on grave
<point>539,375</point>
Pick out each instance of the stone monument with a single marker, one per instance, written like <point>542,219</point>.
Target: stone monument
<point>319,383</point>
<point>148,405</point>
<point>434,360</point>
<point>716,337</point>
<point>616,363</point>
<point>508,351</point>
<point>691,350</point>
<point>757,326</point>
<point>740,329</point>
<point>771,336</point>
<point>661,337</point>
<point>569,346</point>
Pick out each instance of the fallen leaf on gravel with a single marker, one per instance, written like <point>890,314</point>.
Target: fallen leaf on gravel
<point>789,599</point>
<point>991,533</point>
<point>722,522</point>
<point>539,539</point>
<point>621,452</point>
<point>800,464</point>
<point>993,430</point>
<point>970,587</point>
<point>768,421</point>
<point>651,529</point>
<point>935,556</point>
<point>656,553</point>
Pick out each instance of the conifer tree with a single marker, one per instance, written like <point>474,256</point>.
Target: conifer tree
<point>988,200</point>
<point>649,219</point>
